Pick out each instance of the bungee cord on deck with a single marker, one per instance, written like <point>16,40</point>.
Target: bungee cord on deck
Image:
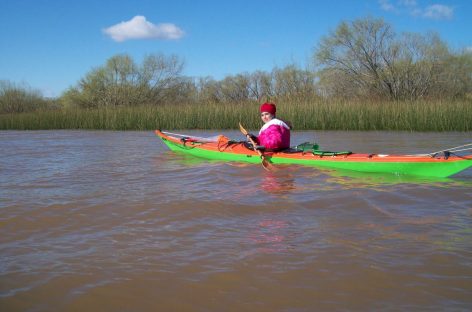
<point>447,151</point>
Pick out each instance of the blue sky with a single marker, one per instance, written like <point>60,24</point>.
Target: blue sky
<point>51,45</point>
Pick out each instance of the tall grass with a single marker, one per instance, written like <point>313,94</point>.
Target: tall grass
<point>304,115</point>
<point>358,115</point>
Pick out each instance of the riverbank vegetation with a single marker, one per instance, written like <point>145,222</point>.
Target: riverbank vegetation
<point>364,77</point>
<point>304,115</point>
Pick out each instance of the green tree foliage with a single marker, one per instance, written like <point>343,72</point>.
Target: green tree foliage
<point>366,58</point>
<point>292,82</point>
<point>121,82</point>
<point>457,76</point>
<point>287,82</point>
<point>21,98</point>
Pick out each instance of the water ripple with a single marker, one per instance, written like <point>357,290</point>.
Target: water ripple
<point>113,218</point>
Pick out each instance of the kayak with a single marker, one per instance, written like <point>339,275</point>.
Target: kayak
<point>443,164</point>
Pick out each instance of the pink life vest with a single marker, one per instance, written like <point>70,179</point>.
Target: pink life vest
<point>275,134</point>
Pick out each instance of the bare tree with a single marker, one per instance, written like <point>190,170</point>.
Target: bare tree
<point>16,98</point>
<point>261,86</point>
<point>291,81</point>
<point>121,82</point>
<point>366,58</point>
<point>161,76</point>
<point>359,50</point>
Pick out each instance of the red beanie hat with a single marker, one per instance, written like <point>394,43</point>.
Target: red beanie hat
<point>268,107</point>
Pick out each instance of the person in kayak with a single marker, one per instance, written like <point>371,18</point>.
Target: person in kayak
<point>275,133</point>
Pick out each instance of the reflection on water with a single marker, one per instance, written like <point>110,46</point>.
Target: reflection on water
<point>361,179</point>
<point>283,179</point>
<point>115,220</point>
<point>270,236</point>
<point>280,182</point>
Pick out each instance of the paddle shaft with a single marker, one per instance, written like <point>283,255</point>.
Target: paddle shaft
<point>265,163</point>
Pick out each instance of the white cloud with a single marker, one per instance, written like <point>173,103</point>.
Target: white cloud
<point>438,12</point>
<point>386,5</point>
<point>435,11</point>
<point>139,28</point>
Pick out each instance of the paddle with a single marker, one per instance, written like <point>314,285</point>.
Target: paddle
<point>265,163</point>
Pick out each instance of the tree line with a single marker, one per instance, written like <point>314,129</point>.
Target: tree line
<point>21,98</point>
<point>360,59</point>
<point>158,80</point>
<point>366,58</point>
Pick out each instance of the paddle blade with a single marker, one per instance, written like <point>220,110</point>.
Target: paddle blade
<point>267,165</point>
<point>244,131</point>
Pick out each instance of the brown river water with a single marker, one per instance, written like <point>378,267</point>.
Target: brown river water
<point>114,221</point>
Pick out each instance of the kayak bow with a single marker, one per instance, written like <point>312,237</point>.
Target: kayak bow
<point>221,148</point>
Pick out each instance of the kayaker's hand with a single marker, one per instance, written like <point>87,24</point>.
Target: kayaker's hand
<point>260,148</point>
<point>252,136</point>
